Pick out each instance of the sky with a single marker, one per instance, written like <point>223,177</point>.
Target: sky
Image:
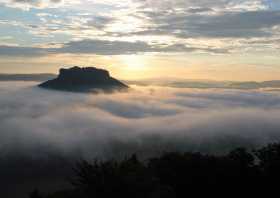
<point>234,40</point>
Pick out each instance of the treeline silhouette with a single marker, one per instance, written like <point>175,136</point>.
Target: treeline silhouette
<point>239,173</point>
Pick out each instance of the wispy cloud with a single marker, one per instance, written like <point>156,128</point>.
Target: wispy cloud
<point>223,25</point>
<point>100,47</point>
<point>38,4</point>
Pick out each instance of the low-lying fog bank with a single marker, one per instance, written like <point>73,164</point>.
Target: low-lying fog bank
<point>146,118</point>
<point>54,128</point>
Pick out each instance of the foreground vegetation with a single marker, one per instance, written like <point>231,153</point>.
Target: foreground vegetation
<point>241,172</point>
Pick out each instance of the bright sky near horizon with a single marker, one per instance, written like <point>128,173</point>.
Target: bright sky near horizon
<point>194,39</point>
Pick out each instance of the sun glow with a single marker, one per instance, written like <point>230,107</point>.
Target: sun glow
<point>133,62</point>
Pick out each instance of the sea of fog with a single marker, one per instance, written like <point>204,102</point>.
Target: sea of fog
<point>144,120</point>
<point>38,127</point>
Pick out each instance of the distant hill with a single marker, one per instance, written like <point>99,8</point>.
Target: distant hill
<point>206,84</point>
<point>77,79</point>
<point>26,77</point>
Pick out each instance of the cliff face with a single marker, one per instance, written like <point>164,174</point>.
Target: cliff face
<point>87,79</point>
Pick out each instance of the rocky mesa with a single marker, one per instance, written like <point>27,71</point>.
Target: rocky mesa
<point>87,79</point>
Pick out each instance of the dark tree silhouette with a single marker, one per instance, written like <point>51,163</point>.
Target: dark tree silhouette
<point>35,194</point>
<point>175,175</point>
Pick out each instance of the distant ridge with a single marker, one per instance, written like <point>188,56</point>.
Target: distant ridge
<point>26,77</point>
<point>206,84</point>
<point>77,79</point>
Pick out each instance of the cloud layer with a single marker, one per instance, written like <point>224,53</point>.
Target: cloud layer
<point>223,26</point>
<point>144,120</point>
<point>38,4</point>
<point>43,132</point>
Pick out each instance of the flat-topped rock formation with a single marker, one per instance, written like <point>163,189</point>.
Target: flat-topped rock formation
<point>77,79</point>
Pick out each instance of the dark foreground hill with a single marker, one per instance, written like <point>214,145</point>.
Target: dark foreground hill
<point>240,173</point>
<point>86,79</point>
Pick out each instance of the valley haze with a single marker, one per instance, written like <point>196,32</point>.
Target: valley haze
<point>148,120</point>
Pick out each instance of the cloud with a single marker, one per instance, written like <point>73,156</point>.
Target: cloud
<point>101,47</point>
<point>38,4</point>
<point>47,130</point>
<point>143,119</point>
<point>221,26</point>
<point>6,50</point>
<point>238,5</point>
